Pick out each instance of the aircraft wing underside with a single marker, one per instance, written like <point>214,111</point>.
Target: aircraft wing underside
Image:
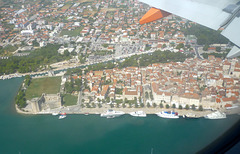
<point>215,14</point>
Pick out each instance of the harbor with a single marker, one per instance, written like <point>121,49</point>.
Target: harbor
<point>123,134</point>
<point>148,111</point>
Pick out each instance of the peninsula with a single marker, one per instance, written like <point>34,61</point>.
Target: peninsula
<point>192,86</point>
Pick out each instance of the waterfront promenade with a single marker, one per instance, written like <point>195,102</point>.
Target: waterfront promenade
<point>76,109</point>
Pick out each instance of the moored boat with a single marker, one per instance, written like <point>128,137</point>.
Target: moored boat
<point>191,116</point>
<point>111,113</point>
<point>138,114</point>
<point>168,114</point>
<point>62,116</point>
<point>216,115</point>
<point>55,113</point>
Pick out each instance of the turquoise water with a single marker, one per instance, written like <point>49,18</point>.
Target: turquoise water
<point>28,134</point>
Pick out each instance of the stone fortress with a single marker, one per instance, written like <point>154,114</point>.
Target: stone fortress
<point>45,102</point>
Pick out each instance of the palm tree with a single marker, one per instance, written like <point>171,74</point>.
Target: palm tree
<point>200,108</point>
<point>187,107</point>
<point>82,105</point>
<point>167,106</point>
<point>180,107</point>
<point>111,105</point>
<point>174,106</point>
<point>93,105</point>
<point>98,99</point>
<point>146,95</point>
<point>88,105</point>
<point>161,105</point>
<point>136,105</point>
<point>193,107</point>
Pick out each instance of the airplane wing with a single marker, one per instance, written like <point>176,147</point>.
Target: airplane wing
<point>215,14</point>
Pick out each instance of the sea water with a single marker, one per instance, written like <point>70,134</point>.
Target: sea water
<point>81,134</point>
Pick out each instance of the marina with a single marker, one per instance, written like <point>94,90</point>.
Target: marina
<point>86,131</point>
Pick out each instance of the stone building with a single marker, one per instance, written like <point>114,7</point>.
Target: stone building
<point>45,102</point>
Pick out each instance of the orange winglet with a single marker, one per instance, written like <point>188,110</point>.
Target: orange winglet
<point>152,15</point>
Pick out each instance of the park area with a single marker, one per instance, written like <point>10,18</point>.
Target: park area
<point>48,85</point>
<point>69,100</point>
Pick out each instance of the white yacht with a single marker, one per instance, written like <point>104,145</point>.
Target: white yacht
<point>170,114</point>
<point>216,115</point>
<point>138,114</point>
<point>112,114</point>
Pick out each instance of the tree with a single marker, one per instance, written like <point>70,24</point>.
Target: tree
<point>27,80</point>
<point>151,95</point>
<point>135,99</point>
<point>105,45</point>
<point>164,46</point>
<point>93,105</point>
<point>200,108</point>
<point>99,105</point>
<point>154,105</point>
<point>35,43</point>
<point>90,98</point>
<point>82,105</point>
<point>141,105</point>
<point>161,105</point>
<point>180,107</point>
<point>179,46</point>
<point>205,48</point>
<point>88,105</point>
<point>98,99</point>
<point>146,95</point>
<point>187,107</point>
<point>66,53</point>
<point>111,105</point>
<point>174,106</point>
<point>167,106</point>
<point>136,105</point>
<point>118,105</point>
<point>124,105</point>
<point>218,49</point>
<point>193,107</point>
<point>148,105</point>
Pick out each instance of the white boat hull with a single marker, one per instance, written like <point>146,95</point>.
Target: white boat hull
<point>54,113</point>
<point>216,115</point>
<point>110,115</point>
<point>138,114</point>
<point>62,116</point>
<point>167,115</point>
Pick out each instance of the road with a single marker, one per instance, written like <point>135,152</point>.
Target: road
<point>197,53</point>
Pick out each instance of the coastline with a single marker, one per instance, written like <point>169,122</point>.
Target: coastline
<point>127,110</point>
